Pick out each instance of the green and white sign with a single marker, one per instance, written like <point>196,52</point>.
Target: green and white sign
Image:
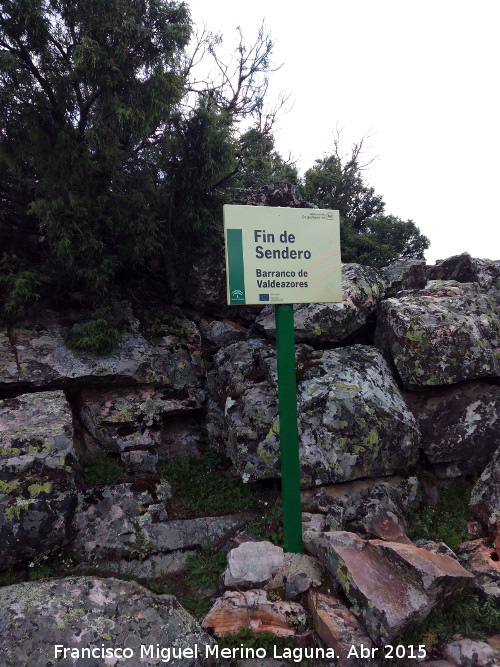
<point>282,255</point>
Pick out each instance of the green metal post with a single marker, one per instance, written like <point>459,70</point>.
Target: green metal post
<point>289,432</point>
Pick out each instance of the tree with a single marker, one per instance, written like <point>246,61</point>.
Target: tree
<point>111,150</point>
<point>367,235</point>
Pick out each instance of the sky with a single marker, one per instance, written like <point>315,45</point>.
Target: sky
<point>418,79</point>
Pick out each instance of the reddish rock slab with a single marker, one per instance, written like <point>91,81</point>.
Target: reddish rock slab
<point>339,629</point>
<point>252,610</point>
<point>381,525</point>
<point>439,575</point>
<point>391,585</point>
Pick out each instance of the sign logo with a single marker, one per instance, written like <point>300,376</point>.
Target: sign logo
<point>263,297</point>
<point>237,295</point>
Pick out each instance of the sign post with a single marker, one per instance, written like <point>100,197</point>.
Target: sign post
<point>283,256</point>
<point>289,431</point>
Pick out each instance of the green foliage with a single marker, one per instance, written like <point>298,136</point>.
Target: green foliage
<point>367,235</point>
<point>468,615</point>
<point>217,491</point>
<point>99,335</point>
<point>79,107</point>
<point>260,163</point>
<point>101,470</point>
<point>19,286</point>
<point>447,521</point>
<point>269,523</point>
<point>204,570</point>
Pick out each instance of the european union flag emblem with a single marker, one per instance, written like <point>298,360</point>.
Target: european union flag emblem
<point>263,297</point>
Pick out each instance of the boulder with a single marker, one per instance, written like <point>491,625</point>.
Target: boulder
<point>320,323</point>
<point>455,421</point>
<point>252,565</point>
<point>443,334</point>
<point>485,496</point>
<point>252,609</point>
<point>404,274</point>
<point>353,421</point>
<point>391,585</point>
<point>43,360</point>
<point>340,630</point>
<point>85,613</point>
<point>37,475</point>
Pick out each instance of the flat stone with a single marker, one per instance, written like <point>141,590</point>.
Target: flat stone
<point>355,501</point>
<point>340,630</point>
<point>108,521</point>
<point>134,417</point>
<point>380,524</point>
<point>252,564</point>
<point>37,475</point>
<point>153,566</point>
<point>252,610</point>
<point>85,612</point>
<point>187,533</point>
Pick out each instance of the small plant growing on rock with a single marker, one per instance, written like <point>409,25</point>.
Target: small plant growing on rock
<point>99,335</point>
<point>447,521</point>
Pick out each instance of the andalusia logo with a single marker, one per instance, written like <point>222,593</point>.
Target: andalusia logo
<point>237,295</point>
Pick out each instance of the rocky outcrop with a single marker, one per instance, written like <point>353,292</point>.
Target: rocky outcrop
<point>445,333</point>
<point>352,420</point>
<point>320,323</point>
<point>456,421</point>
<point>390,585</point>
<point>36,356</point>
<point>126,522</point>
<point>85,613</point>
<point>466,269</point>
<point>137,418</point>
<point>37,475</point>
